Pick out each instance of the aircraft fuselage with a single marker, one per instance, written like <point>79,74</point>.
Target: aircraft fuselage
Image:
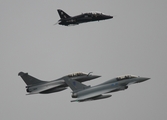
<point>35,85</point>
<point>82,18</point>
<point>113,85</point>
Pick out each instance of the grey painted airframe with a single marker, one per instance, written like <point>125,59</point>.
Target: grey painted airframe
<point>35,86</point>
<point>86,93</point>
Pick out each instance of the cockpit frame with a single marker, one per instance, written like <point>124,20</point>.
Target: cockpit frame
<point>76,74</point>
<point>126,77</point>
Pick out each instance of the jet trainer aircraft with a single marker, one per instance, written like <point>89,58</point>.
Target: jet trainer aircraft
<point>86,93</point>
<point>82,18</point>
<point>35,86</point>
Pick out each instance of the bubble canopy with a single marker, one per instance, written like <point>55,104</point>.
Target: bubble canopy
<point>95,12</point>
<point>76,74</point>
<point>126,77</point>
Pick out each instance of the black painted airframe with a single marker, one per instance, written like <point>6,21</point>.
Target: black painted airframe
<point>82,18</point>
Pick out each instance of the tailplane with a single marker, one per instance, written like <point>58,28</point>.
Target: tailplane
<point>75,85</point>
<point>62,14</point>
<point>29,80</point>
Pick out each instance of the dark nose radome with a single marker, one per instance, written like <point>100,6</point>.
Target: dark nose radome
<point>108,17</point>
<point>111,16</point>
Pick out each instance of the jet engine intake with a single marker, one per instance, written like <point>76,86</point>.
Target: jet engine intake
<point>126,87</point>
<point>27,90</point>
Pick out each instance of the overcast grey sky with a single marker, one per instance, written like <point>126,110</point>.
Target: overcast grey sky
<point>133,42</point>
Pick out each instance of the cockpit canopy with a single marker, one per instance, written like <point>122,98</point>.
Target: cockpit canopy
<point>95,13</point>
<point>76,74</point>
<point>126,77</point>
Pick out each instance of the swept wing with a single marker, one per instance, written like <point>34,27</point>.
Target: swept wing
<point>44,87</point>
<point>97,93</point>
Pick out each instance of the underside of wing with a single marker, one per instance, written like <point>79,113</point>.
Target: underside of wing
<point>46,88</point>
<point>96,93</point>
<point>92,98</point>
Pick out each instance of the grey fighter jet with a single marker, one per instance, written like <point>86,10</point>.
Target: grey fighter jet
<point>82,18</point>
<point>86,93</point>
<point>35,86</point>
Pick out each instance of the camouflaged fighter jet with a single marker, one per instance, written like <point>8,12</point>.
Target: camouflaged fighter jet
<point>86,93</point>
<point>35,86</point>
<point>82,18</point>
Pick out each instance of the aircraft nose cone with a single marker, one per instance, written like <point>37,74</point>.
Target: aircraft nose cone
<point>96,76</point>
<point>147,78</point>
<point>144,79</point>
<point>109,17</point>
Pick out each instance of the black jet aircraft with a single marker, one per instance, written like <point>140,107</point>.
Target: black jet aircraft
<point>35,86</point>
<point>82,18</point>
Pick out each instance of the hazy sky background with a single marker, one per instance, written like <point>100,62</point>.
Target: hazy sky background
<point>133,42</point>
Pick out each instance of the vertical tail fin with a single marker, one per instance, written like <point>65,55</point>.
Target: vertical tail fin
<point>29,80</point>
<point>74,85</point>
<point>62,14</point>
